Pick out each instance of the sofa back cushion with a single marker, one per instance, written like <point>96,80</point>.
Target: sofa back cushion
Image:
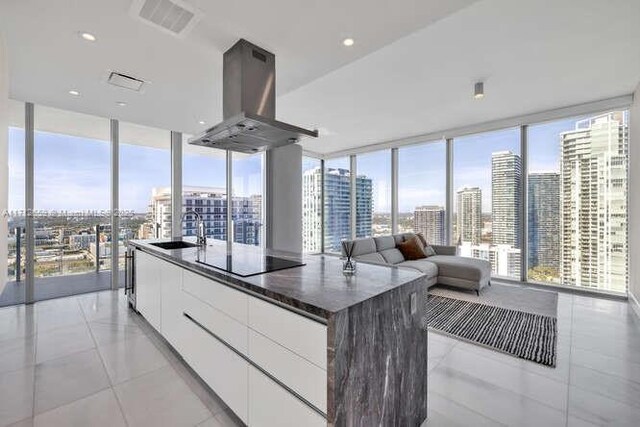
<point>374,258</point>
<point>392,255</point>
<point>412,249</point>
<point>363,247</point>
<point>384,242</point>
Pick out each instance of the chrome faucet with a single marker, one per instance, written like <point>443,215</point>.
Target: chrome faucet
<point>201,239</point>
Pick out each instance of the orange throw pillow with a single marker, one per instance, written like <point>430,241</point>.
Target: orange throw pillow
<point>412,249</point>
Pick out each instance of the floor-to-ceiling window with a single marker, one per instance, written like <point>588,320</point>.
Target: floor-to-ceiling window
<point>311,205</point>
<point>373,194</point>
<point>422,190</point>
<point>14,289</point>
<point>337,203</point>
<point>577,201</point>
<point>71,192</point>
<point>145,183</point>
<point>247,198</point>
<point>204,190</point>
<point>487,180</point>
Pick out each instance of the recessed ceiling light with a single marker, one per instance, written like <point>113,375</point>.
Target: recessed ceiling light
<point>201,122</point>
<point>87,36</point>
<point>478,90</point>
<point>74,93</point>
<point>348,41</point>
<point>121,104</point>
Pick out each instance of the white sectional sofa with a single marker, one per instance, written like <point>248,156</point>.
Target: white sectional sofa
<point>445,267</point>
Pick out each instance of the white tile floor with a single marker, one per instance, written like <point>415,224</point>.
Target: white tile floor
<point>88,360</point>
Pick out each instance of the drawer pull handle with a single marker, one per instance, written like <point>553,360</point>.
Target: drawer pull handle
<point>252,363</point>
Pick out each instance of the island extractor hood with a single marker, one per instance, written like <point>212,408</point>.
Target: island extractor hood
<point>249,105</point>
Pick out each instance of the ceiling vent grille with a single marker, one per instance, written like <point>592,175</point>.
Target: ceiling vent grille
<point>125,81</point>
<point>172,16</point>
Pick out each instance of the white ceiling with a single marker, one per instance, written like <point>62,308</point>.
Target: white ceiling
<point>410,72</point>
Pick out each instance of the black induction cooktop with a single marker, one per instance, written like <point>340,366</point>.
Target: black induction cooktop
<point>248,264</point>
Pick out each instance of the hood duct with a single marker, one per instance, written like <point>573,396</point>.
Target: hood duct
<point>249,105</point>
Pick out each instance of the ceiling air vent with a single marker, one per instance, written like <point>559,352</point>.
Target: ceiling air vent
<point>173,16</point>
<point>124,81</point>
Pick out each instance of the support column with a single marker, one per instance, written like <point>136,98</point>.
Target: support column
<point>524,202</point>
<point>30,240</point>
<point>283,197</point>
<point>448,215</point>
<point>176,184</point>
<point>353,167</point>
<point>115,206</point>
<point>229,198</point>
<point>394,190</point>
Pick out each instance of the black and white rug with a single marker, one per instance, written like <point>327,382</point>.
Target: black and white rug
<point>525,334</point>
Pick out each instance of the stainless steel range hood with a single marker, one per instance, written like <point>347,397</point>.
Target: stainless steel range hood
<point>249,105</point>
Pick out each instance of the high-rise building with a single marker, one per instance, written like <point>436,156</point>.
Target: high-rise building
<point>364,206</point>
<point>211,204</point>
<point>506,179</point>
<point>469,215</point>
<point>543,199</point>
<point>337,208</point>
<point>429,220</point>
<point>594,203</point>
<point>312,210</point>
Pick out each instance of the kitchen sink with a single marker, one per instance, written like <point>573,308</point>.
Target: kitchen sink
<point>178,244</point>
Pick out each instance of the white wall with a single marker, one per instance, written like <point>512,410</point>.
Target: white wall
<point>4,173</point>
<point>284,198</point>
<point>634,198</point>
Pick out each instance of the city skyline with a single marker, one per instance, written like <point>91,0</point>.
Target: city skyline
<point>79,167</point>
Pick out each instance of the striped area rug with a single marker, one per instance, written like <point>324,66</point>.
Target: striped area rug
<point>525,335</point>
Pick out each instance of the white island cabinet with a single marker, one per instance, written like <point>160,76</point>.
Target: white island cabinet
<point>267,363</point>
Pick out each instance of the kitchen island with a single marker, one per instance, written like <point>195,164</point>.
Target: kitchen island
<point>304,345</point>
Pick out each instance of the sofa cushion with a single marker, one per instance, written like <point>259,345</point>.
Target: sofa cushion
<point>422,265</point>
<point>385,242</point>
<point>363,246</point>
<point>412,249</point>
<point>403,237</point>
<point>392,256</point>
<point>429,251</point>
<point>374,258</point>
<point>462,267</point>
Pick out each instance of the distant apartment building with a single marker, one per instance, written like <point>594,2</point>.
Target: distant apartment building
<point>504,259</point>
<point>594,203</point>
<point>211,204</point>
<point>543,199</point>
<point>430,220</point>
<point>337,208</point>
<point>506,180</point>
<point>469,215</point>
<point>312,210</point>
<point>364,206</point>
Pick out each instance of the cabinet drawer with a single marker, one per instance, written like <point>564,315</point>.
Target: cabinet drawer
<point>301,335</point>
<point>148,288</point>
<point>219,323</point>
<point>217,295</point>
<point>300,375</point>
<point>271,405</point>
<point>222,369</point>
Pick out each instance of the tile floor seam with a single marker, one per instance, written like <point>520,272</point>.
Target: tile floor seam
<point>566,415</point>
<point>600,371</point>
<point>35,367</point>
<point>519,394</point>
<point>470,409</point>
<point>70,403</point>
<point>104,366</point>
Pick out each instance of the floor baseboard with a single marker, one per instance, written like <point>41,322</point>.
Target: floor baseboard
<point>635,304</point>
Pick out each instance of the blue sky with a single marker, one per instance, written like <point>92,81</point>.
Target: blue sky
<point>72,173</point>
<point>422,169</point>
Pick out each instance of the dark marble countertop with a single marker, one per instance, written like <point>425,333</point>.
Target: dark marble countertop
<point>318,288</point>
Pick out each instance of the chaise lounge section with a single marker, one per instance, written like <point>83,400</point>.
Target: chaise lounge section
<point>445,267</point>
